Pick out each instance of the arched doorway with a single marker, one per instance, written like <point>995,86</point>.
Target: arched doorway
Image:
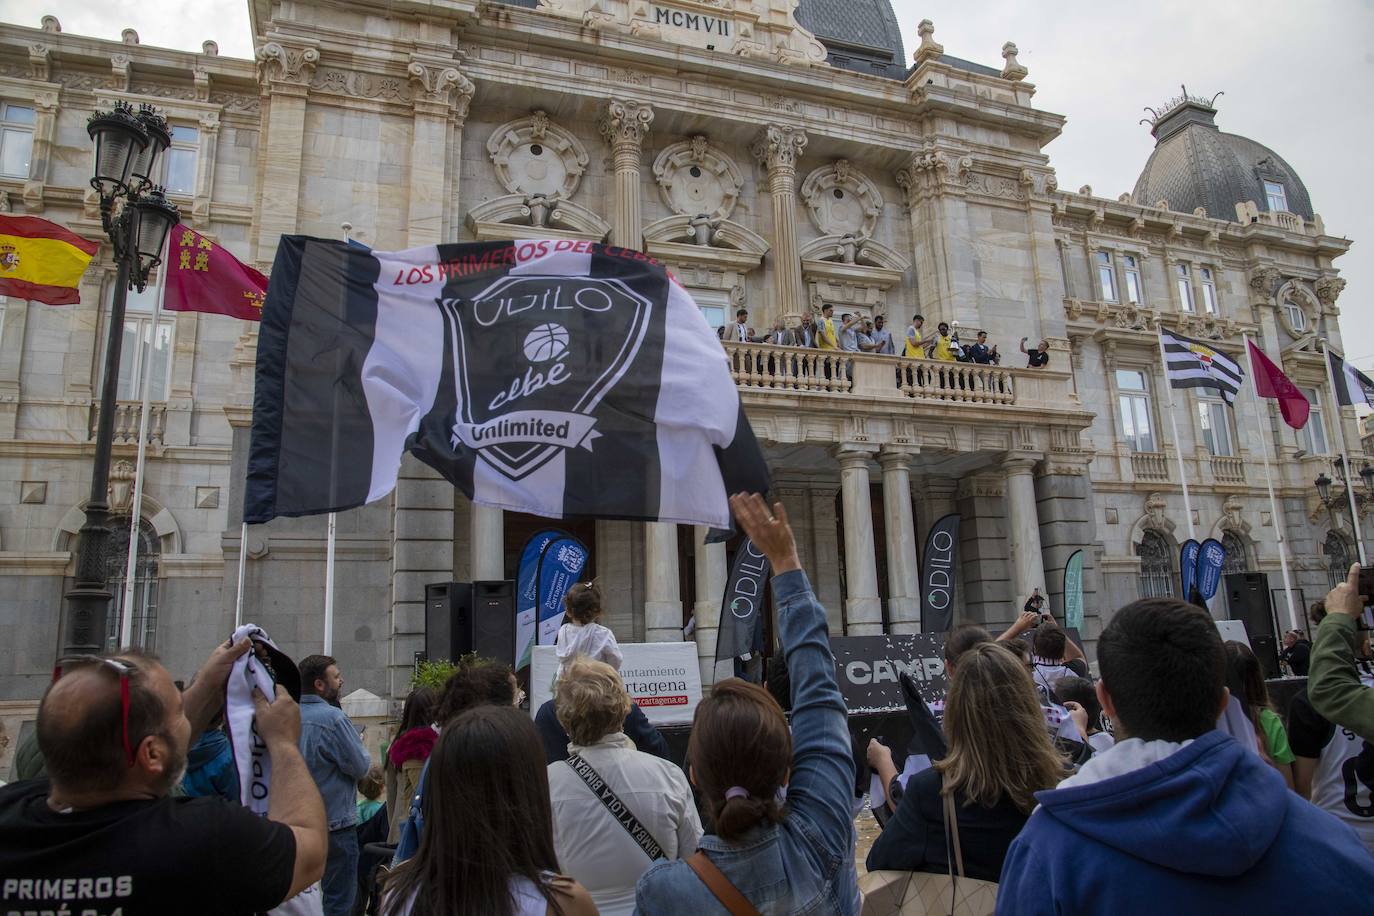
<point>1158,568</point>
<point>143,633</point>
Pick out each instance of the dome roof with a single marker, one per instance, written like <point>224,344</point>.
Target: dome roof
<point>1195,164</point>
<point>861,35</point>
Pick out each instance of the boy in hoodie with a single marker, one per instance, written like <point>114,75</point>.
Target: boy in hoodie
<point>1177,817</point>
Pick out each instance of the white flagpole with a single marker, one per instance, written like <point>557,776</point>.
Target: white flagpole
<point>1178,443</point>
<point>1261,422</point>
<point>126,617</point>
<point>243,558</point>
<point>332,538</point>
<point>1345,453</point>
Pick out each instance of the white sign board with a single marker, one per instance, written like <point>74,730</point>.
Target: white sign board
<point>664,678</point>
<point>1233,631</point>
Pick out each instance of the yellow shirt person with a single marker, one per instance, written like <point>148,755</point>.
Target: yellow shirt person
<point>827,338</point>
<point>943,349</point>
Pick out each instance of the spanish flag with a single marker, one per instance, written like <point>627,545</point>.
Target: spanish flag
<point>42,261</point>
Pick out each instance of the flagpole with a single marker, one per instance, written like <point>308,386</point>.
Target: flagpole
<point>1178,443</point>
<point>243,557</point>
<point>126,617</point>
<point>1345,453</point>
<point>332,537</point>
<point>1262,422</point>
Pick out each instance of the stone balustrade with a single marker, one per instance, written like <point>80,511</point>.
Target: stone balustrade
<point>791,369</point>
<point>1150,465</point>
<point>1228,470</point>
<point>126,422</point>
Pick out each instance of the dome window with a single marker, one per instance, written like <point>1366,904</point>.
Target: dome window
<point>1276,197</point>
<point>1297,318</point>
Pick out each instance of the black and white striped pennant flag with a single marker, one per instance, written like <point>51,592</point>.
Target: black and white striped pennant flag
<point>1195,364</point>
<point>556,377</point>
<point>1353,387</point>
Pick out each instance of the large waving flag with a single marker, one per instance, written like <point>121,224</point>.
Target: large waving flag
<point>1352,386</point>
<point>42,261</point>
<point>205,277</point>
<point>1195,364</point>
<point>559,378</point>
<point>1270,382</point>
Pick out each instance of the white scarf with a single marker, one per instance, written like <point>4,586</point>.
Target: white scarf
<point>251,759</point>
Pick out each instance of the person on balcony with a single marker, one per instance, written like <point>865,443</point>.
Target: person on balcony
<point>978,351</point>
<point>880,337</point>
<point>740,330</point>
<point>849,332</point>
<point>1037,357</point>
<point>806,334</point>
<point>944,345</point>
<point>916,343</point>
<point>828,333</point>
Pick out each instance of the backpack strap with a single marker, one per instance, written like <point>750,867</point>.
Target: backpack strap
<point>720,886</point>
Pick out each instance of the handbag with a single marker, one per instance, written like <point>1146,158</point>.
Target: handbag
<point>721,887</point>
<point>909,893</point>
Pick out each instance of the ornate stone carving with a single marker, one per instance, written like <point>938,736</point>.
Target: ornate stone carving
<point>698,179</point>
<point>1264,280</point>
<point>379,87</point>
<point>39,58</point>
<point>1155,518</point>
<point>624,124</point>
<point>929,49</point>
<point>1012,70</point>
<point>778,147</point>
<point>1296,293</point>
<point>209,48</point>
<point>842,201</point>
<point>445,85</point>
<point>123,71</point>
<point>1329,290</point>
<point>537,158</point>
<point>50,24</point>
<point>1231,516</point>
<point>279,63</point>
<point>994,185</point>
<point>121,491</point>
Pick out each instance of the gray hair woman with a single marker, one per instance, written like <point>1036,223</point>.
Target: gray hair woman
<point>593,845</point>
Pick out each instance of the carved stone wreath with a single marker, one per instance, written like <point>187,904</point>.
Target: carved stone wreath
<point>1299,295</point>
<point>537,158</point>
<point>695,179</point>
<point>842,200</point>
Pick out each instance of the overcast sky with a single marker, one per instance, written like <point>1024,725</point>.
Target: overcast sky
<point>1296,77</point>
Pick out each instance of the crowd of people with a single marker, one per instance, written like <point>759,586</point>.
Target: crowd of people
<point>855,333</point>
<point>1168,783</point>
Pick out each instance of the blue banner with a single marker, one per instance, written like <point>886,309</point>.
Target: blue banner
<point>1187,567</point>
<point>560,566</point>
<point>1209,563</point>
<point>527,594</point>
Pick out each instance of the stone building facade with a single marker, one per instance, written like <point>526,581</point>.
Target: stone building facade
<point>774,160</point>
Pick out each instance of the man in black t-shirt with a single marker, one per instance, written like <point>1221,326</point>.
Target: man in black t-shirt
<point>101,835</point>
<point>1297,653</point>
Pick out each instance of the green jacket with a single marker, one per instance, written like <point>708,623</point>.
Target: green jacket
<point>1333,684</point>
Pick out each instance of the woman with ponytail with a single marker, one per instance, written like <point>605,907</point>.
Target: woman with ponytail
<point>778,801</point>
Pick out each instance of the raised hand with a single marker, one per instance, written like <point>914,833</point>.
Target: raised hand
<point>1345,598</point>
<point>767,529</point>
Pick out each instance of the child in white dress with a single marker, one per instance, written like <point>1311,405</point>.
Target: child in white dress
<point>581,634</point>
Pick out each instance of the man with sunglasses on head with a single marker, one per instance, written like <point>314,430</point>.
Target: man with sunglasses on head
<point>102,833</point>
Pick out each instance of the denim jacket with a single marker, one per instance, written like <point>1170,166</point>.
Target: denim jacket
<point>336,757</point>
<point>804,864</point>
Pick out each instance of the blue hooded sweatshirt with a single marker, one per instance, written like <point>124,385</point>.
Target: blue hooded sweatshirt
<point>1208,829</point>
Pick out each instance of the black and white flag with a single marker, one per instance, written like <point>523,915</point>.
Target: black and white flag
<point>557,377</point>
<point>1195,364</point>
<point>1353,387</point>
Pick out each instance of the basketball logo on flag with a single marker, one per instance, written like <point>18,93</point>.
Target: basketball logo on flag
<point>526,388</point>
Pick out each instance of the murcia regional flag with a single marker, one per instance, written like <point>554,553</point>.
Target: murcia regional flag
<point>559,378</point>
<point>1195,364</point>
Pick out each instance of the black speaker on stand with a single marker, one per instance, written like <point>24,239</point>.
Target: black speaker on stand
<point>1249,602</point>
<point>463,617</point>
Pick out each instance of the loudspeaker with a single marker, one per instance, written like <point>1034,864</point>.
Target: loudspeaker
<point>1266,649</point>
<point>463,617</point>
<point>448,611</point>
<point>1248,599</point>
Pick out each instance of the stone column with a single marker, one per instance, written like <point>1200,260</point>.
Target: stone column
<point>488,543</point>
<point>421,553</point>
<point>442,97</point>
<point>824,570</point>
<point>903,585</point>
<point>624,124</point>
<point>1023,530</point>
<point>284,72</point>
<point>205,170</point>
<point>711,573</point>
<point>863,609</point>
<point>778,148</point>
<point>44,133</point>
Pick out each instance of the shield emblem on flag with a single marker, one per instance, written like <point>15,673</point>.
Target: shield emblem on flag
<point>533,357</point>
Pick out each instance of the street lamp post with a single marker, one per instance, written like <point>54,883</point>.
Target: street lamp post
<point>136,218</point>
